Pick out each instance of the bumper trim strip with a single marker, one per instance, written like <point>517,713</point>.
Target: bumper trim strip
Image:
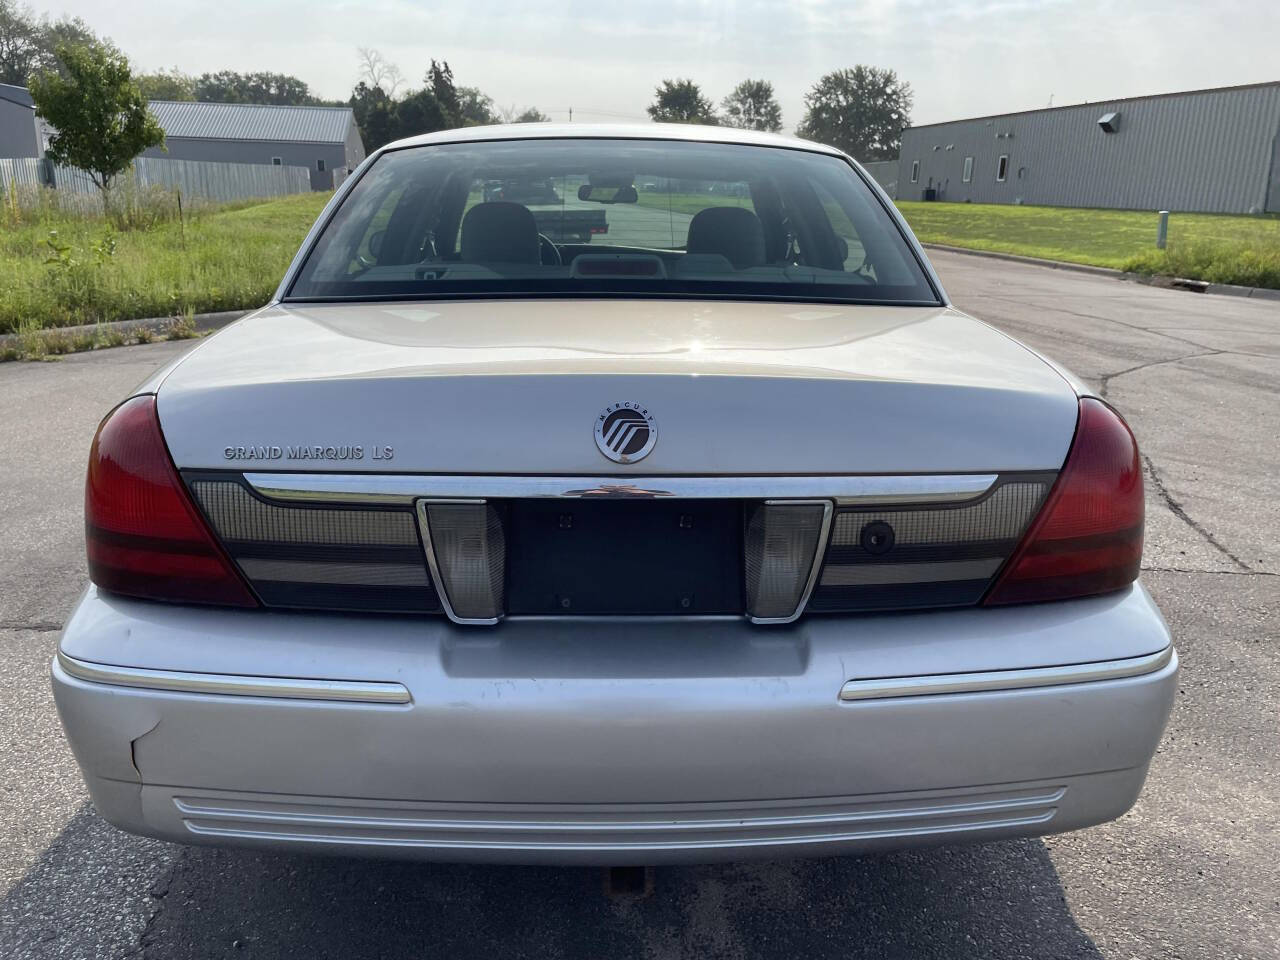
<point>949,683</point>
<point>290,688</point>
<point>406,488</point>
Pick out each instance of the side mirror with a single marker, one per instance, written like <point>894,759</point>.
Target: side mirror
<point>375,242</point>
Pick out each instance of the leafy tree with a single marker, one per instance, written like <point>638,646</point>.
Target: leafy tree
<point>531,115</point>
<point>27,44</point>
<point>440,79</point>
<point>227,86</point>
<point>375,115</point>
<point>99,114</point>
<point>752,106</point>
<point>20,43</point>
<point>862,111</point>
<point>167,85</point>
<point>475,107</point>
<point>71,31</point>
<point>421,112</point>
<point>681,101</point>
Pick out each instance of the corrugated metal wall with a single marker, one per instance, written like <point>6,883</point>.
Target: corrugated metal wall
<point>218,182</point>
<point>1206,151</point>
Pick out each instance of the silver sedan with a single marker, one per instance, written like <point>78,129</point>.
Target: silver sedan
<point>612,525</point>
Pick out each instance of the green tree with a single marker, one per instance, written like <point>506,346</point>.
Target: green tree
<point>99,114</point>
<point>439,79</point>
<point>228,86</point>
<point>752,106</point>
<point>27,44</point>
<point>531,115</point>
<point>20,43</point>
<point>421,112</point>
<point>862,111</point>
<point>681,101</point>
<point>167,85</point>
<point>375,115</point>
<point>475,107</point>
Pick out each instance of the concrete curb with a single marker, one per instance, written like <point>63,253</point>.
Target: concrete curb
<point>1253,293</point>
<point>204,323</point>
<point>1033,261</point>
<point>1170,283</point>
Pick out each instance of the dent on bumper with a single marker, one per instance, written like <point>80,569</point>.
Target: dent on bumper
<point>648,742</point>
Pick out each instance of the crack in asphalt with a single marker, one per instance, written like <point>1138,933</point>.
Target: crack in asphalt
<point>34,626</point>
<point>159,891</point>
<point>1212,573</point>
<point>1093,316</point>
<point>1154,331</point>
<point>1178,511</point>
<point>1104,382</point>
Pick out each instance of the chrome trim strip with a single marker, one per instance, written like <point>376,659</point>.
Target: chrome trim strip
<point>405,488</point>
<point>290,688</point>
<point>938,684</point>
<point>819,555</point>
<point>442,591</point>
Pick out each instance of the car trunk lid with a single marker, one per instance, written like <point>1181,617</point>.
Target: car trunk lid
<point>517,387</point>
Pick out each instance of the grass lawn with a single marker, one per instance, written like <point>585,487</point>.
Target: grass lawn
<point>225,259</point>
<point>1214,247</point>
<point>689,203</point>
<point>60,270</point>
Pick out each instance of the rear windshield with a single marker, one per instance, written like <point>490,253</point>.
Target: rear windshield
<point>611,216</point>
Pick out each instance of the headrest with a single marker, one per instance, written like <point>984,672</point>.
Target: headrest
<point>732,232</point>
<point>500,232</point>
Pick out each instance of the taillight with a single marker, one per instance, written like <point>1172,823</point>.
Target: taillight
<point>144,536</point>
<point>1087,538</point>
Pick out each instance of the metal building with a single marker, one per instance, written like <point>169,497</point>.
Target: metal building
<point>1205,150</point>
<point>325,140</point>
<point>22,133</point>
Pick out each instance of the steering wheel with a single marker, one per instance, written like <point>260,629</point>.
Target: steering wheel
<point>550,253</point>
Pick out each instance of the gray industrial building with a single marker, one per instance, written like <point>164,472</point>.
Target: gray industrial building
<point>22,133</point>
<point>1206,150</point>
<point>322,139</point>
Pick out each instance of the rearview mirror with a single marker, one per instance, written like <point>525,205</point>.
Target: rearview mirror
<point>597,194</point>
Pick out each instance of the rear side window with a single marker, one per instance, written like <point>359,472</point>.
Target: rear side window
<point>606,216</point>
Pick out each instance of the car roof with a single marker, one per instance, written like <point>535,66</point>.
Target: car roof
<point>694,133</point>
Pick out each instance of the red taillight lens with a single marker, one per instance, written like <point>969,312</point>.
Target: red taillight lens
<point>144,536</point>
<point>1088,536</point>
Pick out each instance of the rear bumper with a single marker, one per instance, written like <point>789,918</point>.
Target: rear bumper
<point>610,742</point>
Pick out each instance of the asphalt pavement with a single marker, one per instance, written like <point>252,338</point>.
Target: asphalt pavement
<point>1190,872</point>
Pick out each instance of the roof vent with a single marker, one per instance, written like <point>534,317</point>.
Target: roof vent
<point>1109,122</point>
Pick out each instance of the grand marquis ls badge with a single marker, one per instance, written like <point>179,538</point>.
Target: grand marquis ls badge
<point>626,432</point>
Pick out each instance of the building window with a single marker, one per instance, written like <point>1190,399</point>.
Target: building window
<point>915,171</point>
<point>276,162</point>
<point>1002,168</point>
<point>968,169</point>
<point>320,165</point>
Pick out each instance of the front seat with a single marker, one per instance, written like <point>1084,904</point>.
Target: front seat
<point>500,232</point>
<point>734,233</point>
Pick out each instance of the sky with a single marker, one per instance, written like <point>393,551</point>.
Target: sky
<point>603,58</point>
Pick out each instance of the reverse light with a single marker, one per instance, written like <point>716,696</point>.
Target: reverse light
<point>144,536</point>
<point>783,540</point>
<point>1087,538</point>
